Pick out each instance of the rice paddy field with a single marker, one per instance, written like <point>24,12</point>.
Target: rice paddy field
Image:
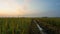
<point>27,26</point>
<point>14,25</point>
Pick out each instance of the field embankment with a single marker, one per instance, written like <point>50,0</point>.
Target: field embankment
<point>50,25</point>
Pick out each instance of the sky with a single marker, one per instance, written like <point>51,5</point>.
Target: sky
<point>30,8</point>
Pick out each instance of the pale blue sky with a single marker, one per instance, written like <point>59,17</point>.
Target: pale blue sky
<point>50,8</point>
<point>37,8</point>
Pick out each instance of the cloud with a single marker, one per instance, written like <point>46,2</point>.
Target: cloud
<point>11,7</point>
